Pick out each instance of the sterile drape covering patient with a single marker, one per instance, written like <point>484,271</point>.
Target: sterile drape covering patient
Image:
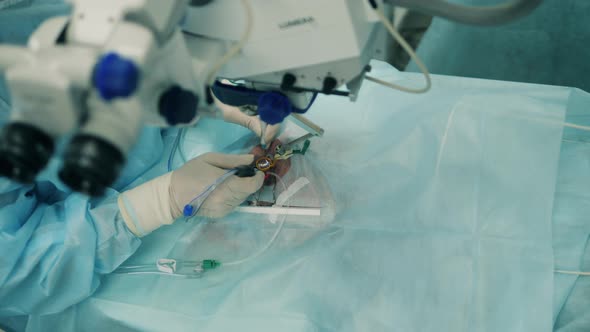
<point>443,222</point>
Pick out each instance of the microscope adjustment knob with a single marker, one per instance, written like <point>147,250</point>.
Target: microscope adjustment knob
<point>274,107</point>
<point>178,106</point>
<point>115,77</point>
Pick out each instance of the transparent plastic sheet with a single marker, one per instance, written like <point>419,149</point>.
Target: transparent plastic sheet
<point>442,222</point>
<point>571,229</point>
<point>315,196</point>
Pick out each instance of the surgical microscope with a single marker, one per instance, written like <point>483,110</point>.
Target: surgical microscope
<point>98,75</point>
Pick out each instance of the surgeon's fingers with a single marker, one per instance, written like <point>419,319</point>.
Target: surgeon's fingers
<point>230,194</point>
<point>234,115</point>
<point>227,161</point>
<point>251,122</point>
<point>241,188</point>
<point>272,132</point>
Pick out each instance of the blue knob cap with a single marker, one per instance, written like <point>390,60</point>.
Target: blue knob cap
<point>188,210</point>
<point>274,107</point>
<point>115,77</point>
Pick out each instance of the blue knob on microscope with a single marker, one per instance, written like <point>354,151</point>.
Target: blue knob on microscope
<point>115,77</point>
<point>274,107</point>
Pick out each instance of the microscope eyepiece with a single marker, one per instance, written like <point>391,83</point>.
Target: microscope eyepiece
<point>91,165</point>
<point>24,151</point>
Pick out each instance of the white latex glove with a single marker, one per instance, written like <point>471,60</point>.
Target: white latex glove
<point>233,114</point>
<point>160,201</point>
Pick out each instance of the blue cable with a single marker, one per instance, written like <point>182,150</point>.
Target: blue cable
<point>315,95</point>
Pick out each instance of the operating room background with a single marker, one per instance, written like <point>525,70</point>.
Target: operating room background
<point>552,46</point>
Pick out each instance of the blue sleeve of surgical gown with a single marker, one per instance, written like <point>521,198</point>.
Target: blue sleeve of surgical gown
<point>55,246</point>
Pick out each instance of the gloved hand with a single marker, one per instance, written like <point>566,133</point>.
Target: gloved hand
<point>160,201</point>
<point>233,114</point>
